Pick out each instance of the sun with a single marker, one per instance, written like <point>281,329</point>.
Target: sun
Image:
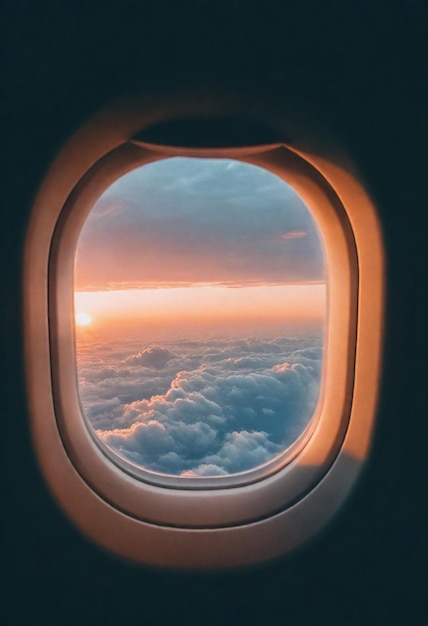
<point>83,319</point>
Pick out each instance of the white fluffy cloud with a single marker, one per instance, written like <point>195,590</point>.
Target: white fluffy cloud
<point>201,408</point>
<point>151,357</point>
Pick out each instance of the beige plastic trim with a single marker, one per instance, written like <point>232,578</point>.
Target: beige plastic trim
<point>248,518</point>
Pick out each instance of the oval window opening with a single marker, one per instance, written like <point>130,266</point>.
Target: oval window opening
<point>200,302</point>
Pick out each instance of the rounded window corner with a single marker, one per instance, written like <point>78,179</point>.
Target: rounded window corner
<point>217,522</point>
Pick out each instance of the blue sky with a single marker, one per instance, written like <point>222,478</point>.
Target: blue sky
<point>190,221</point>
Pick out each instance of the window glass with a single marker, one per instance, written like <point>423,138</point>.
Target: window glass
<point>200,301</point>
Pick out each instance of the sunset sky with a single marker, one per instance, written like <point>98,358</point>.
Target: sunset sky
<point>200,243</point>
<point>200,294</point>
<point>206,309</point>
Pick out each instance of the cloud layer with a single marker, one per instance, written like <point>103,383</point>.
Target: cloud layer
<point>200,407</point>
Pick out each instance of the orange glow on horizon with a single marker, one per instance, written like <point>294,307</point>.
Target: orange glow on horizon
<point>198,306</point>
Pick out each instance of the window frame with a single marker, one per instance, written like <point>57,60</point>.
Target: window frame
<point>204,522</point>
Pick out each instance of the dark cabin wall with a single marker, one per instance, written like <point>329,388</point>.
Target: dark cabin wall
<point>362,69</point>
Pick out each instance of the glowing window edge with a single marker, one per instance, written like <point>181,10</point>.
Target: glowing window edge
<point>192,542</point>
<point>251,475</point>
<point>81,443</point>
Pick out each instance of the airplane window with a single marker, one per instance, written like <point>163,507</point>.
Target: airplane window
<point>200,301</point>
<point>203,331</point>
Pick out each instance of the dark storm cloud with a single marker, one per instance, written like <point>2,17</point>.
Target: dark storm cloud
<point>212,407</point>
<point>198,220</point>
